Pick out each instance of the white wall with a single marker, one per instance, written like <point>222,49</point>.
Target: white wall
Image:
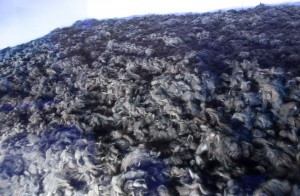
<point>25,20</point>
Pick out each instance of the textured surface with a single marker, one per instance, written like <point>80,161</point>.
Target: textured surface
<point>157,105</point>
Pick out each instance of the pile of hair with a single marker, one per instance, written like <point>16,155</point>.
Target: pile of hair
<point>196,104</point>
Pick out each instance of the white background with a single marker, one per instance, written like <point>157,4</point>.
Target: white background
<point>25,20</point>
